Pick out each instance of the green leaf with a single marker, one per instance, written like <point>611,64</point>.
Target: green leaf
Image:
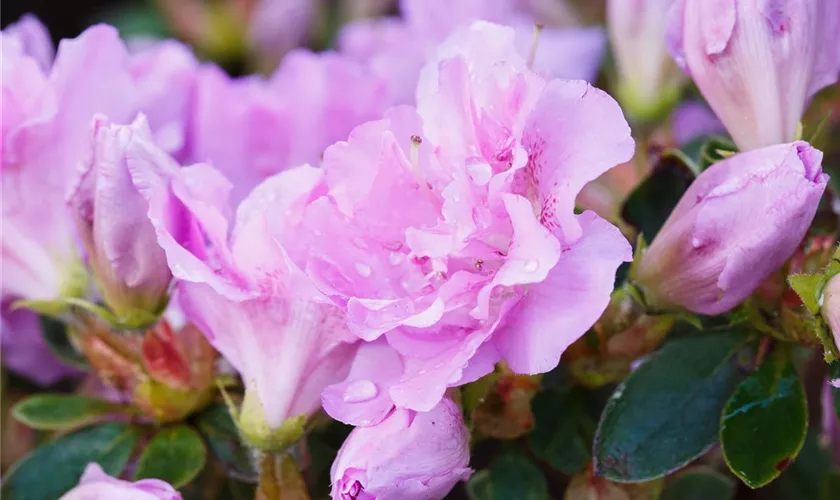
<point>809,287</point>
<point>667,412</point>
<point>219,430</point>
<point>54,468</point>
<point>765,421</point>
<point>54,333</point>
<point>557,437</point>
<point>714,150</point>
<point>62,411</point>
<point>509,476</point>
<point>175,455</point>
<point>650,204</point>
<point>699,483</point>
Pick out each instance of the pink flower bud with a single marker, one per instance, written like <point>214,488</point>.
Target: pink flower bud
<point>649,81</point>
<point>409,455</point>
<point>737,223</point>
<point>110,202</point>
<point>97,485</point>
<point>757,62</point>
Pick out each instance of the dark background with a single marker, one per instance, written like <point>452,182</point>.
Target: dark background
<point>64,18</point>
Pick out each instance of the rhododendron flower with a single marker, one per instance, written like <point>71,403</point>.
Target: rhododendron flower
<point>757,63</point>
<point>33,38</point>
<point>24,350</point>
<point>649,81</point>
<point>396,49</point>
<point>46,122</point>
<point>484,259</point>
<point>693,120</point>
<point>255,306</point>
<point>110,202</point>
<point>97,485</point>
<point>739,221</point>
<point>251,128</point>
<point>409,455</point>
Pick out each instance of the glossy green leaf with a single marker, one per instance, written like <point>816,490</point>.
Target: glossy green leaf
<point>509,476</point>
<point>765,421</point>
<point>557,437</point>
<point>699,483</point>
<point>650,204</point>
<point>55,336</point>
<point>54,468</point>
<point>175,455</point>
<point>667,411</point>
<point>62,411</point>
<point>218,429</point>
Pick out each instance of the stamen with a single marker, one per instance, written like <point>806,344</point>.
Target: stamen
<point>416,141</point>
<point>535,41</point>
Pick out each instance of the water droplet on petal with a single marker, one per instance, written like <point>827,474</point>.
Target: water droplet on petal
<point>360,391</point>
<point>363,269</point>
<point>531,266</point>
<point>359,242</point>
<point>395,258</point>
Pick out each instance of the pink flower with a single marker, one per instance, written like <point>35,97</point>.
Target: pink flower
<point>46,121</point>
<point>738,222</point>
<point>830,424</point>
<point>110,202</point>
<point>97,485</point>
<point>409,455</point>
<point>693,120</point>
<point>649,81</point>
<point>396,49</point>
<point>255,306</point>
<point>757,63</point>
<point>252,128</point>
<point>34,39</point>
<point>24,350</point>
<point>450,231</point>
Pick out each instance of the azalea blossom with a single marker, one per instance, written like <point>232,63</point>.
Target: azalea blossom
<point>485,259</point>
<point>252,128</point>
<point>757,63</point>
<point>97,485</point>
<point>395,49</point>
<point>738,222</point>
<point>254,304</point>
<point>409,455</point>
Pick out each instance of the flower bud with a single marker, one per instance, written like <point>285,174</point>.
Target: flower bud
<point>830,307</point>
<point>649,80</point>
<point>757,63</point>
<point>409,455</point>
<point>738,222</point>
<point>97,485</point>
<point>110,202</point>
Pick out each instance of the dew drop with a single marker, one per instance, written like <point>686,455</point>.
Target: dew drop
<point>363,269</point>
<point>531,266</point>
<point>359,242</point>
<point>360,391</point>
<point>395,258</point>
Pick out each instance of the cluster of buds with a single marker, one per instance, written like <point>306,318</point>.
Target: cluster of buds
<point>167,375</point>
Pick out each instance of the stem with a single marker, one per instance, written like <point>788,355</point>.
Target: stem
<point>280,478</point>
<point>268,488</point>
